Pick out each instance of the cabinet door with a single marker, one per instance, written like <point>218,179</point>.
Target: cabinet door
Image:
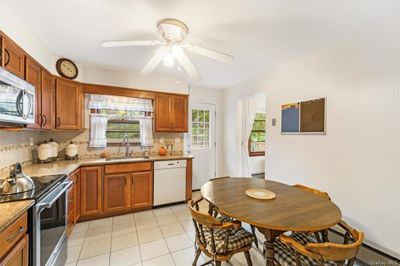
<point>142,189</point>
<point>179,113</point>
<point>14,58</point>
<point>68,104</point>
<point>163,113</point>
<point>33,76</point>
<point>47,99</point>
<point>19,255</point>
<point>71,206</point>
<point>91,191</point>
<point>116,192</point>
<point>77,173</point>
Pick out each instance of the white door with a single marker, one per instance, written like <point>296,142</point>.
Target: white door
<point>201,142</point>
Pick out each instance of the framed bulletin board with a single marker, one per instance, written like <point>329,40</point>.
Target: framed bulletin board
<point>308,117</point>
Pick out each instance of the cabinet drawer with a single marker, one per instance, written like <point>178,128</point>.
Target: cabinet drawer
<point>127,168</point>
<point>10,236</point>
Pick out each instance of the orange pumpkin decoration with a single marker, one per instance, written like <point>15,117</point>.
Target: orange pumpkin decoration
<point>162,151</point>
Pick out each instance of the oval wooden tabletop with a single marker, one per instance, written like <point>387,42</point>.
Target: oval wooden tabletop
<point>292,209</point>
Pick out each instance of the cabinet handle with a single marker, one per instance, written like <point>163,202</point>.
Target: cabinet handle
<point>133,184</point>
<point>11,238</point>
<point>58,121</point>
<point>44,120</point>
<point>7,56</point>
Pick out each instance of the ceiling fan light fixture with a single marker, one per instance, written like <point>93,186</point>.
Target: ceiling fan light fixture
<point>177,51</point>
<point>168,60</point>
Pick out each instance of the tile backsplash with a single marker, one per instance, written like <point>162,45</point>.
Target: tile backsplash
<point>21,146</point>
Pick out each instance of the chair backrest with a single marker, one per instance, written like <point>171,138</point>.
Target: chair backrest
<point>313,190</point>
<point>202,218</point>
<point>339,252</point>
<point>328,250</point>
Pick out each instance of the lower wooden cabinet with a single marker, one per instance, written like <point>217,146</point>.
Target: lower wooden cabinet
<point>91,191</point>
<point>18,255</point>
<point>116,192</point>
<point>77,186</point>
<point>142,190</point>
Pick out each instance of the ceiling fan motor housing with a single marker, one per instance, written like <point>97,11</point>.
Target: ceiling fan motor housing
<point>172,30</point>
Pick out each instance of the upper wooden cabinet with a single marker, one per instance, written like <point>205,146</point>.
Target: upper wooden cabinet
<point>46,94</point>
<point>12,57</point>
<point>68,105</point>
<point>43,82</point>
<point>33,75</point>
<point>171,113</point>
<point>91,191</point>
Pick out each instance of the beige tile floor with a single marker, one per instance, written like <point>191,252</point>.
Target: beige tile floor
<point>162,236</point>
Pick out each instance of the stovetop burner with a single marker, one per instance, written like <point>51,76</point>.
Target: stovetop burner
<point>42,185</point>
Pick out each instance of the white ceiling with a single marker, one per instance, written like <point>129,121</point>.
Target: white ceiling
<point>258,33</point>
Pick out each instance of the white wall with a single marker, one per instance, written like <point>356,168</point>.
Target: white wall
<point>357,162</point>
<point>213,96</point>
<point>13,26</point>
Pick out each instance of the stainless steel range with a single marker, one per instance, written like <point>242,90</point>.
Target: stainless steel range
<point>47,218</point>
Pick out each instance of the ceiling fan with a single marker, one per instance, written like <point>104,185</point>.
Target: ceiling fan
<point>173,33</point>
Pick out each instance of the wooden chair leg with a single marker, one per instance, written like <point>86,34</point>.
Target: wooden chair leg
<point>248,258</point>
<point>253,230</point>
<point>198,251</point>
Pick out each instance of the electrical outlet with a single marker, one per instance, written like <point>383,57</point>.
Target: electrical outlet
<point>31,143</point>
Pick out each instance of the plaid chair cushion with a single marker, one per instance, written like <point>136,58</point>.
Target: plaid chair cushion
<point>286,256</point>
<point>238,238</point>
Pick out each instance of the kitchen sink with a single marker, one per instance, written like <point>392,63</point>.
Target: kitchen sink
<point>128,158</point>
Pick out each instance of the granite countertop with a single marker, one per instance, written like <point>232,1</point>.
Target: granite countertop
<point>67,167</point>
<point>11,211</point>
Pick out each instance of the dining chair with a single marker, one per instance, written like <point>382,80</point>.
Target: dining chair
<point>218,239</point>
<point>313,190</point>
<point>320,236</point>
<point>214,212</point>
<point>300,251</point>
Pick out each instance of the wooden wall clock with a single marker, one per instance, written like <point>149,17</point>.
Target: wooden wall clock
<point>66,68</point>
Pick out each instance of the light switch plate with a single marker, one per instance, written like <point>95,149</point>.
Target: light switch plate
<point>273,122</point>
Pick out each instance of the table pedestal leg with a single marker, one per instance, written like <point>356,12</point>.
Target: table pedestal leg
<point>270,236</point>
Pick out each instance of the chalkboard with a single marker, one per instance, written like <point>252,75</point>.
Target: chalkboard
<point>304,117</point>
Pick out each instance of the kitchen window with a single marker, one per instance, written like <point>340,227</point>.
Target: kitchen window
<point>201,129</point>
<point>113,117</point>
<point>121,123</point>
<point>257,136</point>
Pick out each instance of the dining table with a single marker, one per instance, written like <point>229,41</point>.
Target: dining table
<point>292,209</point>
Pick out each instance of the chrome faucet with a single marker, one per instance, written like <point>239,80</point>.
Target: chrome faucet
<point>126,142</point>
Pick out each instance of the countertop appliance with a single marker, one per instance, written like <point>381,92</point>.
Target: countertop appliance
<point>17,182</point>
<point>47,219</point>
<point>169,182</point>
<point>17,99</point>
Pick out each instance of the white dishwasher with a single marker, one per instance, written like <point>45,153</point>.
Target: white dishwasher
<point>169,181</point>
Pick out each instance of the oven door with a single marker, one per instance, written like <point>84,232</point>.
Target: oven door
<point>17,99</point>
<point>50,227</point>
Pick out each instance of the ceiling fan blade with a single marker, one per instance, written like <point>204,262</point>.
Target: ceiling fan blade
<point>130,43</point>
<point>155,60</point>
<point>225,58</point>
<point>188,66</point>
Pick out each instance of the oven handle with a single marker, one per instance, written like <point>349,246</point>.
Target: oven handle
<point>46,205</point>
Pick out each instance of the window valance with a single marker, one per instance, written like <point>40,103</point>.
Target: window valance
<point>97,101</point>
